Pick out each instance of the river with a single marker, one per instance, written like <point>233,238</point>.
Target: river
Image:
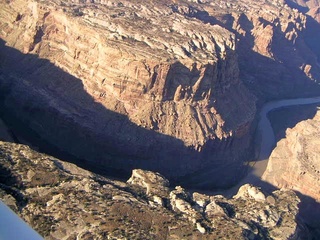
<point>266,133</point>
<point>267,142</point>
<point>266,138</point>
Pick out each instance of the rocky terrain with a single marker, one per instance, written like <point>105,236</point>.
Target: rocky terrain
<point>294,164</point>
<point>312,11</point>
<point>62,201</point>
<point>311,8</point>
<point>169,86</point>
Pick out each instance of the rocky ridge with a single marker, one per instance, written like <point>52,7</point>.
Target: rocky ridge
<point>156,85</point>
<point>62,201</point>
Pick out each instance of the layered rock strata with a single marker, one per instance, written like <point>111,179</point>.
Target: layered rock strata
<point>276,45</point>
<point>151,85</point>
<point>120,87</point>
<point>294,164</point>
<point>62,201</point>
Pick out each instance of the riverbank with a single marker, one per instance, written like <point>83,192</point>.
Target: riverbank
<point>266,133</point>
<point>266,139</point>
<point>288,117</point>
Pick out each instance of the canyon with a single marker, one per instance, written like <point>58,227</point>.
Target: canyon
<point>169,92</point>
<point>171,87</point>
<point>299,147</point>
<point>62,201</point>
<point>294,164</point>
<point>311,8</point>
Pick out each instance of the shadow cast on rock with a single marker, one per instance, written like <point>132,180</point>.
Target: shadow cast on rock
<point>278,75</point>
<point>52,111</point>
<point>54,105</point>
<point>44,101</point>
<point>287,117</point>
<point>309,208</point>
<point>10,184</point>
<point>309,212</point>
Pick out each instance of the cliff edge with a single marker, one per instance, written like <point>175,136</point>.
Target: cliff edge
<point>62,201</point>
<point>169,86</point>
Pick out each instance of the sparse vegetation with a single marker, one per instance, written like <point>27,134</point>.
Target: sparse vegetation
<point>77,12</point>
<point>103,207</point>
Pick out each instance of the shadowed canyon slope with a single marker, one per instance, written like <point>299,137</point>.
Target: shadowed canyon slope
<point>167,86</point>
<point>311,8</point>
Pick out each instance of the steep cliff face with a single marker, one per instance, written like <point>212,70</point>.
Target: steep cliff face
<point>144,84</point>
<point>63,201</point>
<point>276,47</point>
<point>151,85</point>
<point>147,71</point>
<point>275,55</point>
<point>311,8</point>
<point>294,163</point>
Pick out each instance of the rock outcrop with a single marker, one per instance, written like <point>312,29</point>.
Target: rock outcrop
<point>273,43</point>
<point>141,88</point>
<point>63,201</point>
<point>294,163</point>
<point>158,85</point>
<point>312,8</point>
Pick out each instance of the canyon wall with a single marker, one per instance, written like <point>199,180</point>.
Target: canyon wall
<point>311,8</point>
<point>294,164</point>
<point>165,86</point>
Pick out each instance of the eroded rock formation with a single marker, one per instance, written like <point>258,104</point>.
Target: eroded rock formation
<point>156,85</point>
<point>62,201</point>
<point>311,8</point>
<point>294,163</point>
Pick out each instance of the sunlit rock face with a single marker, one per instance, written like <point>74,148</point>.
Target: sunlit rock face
<point>294,163</point>
<point>63,201</point>
<point>169,86</point>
